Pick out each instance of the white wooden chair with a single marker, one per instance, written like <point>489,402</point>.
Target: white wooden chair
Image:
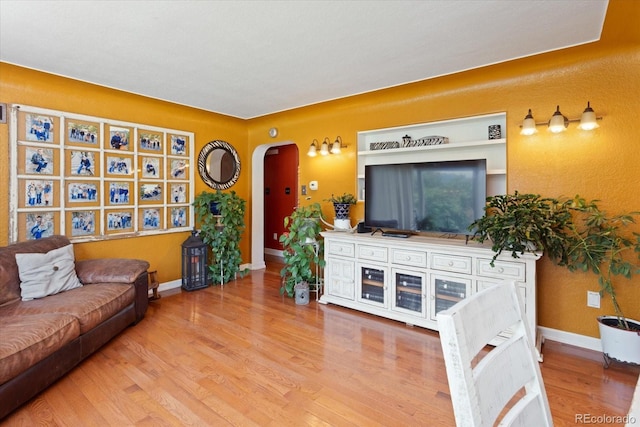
<point>504,384</point>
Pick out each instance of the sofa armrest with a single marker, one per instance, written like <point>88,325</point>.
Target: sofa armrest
<point>118,270</point>
<point>111,270</point>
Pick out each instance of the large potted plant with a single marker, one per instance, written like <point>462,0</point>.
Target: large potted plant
<point>221,219</point>
<point>605,245</point>
<point>522,222</point>
<point>302,250</point>
<point>578,235</point>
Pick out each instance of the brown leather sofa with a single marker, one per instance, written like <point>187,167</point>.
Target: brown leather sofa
<point>42,339</point>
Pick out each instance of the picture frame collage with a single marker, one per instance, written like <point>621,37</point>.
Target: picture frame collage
<point>91,178</point>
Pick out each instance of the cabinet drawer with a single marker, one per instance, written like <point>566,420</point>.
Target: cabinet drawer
<point>502,270</point>
<point>341,248</point>
<point>455,263</point>
<point>406,257</point>
<point>373,253</point>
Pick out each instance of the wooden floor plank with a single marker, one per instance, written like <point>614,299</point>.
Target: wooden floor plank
<point>244,355</point>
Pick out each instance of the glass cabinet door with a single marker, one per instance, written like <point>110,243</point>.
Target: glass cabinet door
<point>373,285</point>
<point>409,292</point>
<point>446,291</point>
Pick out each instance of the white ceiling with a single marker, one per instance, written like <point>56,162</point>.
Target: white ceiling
<point>251,58</point>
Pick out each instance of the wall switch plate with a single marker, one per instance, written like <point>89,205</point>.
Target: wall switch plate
<point>303,190</point>
<point>593,299</point>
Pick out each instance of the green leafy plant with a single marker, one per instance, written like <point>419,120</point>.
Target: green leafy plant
<point>598,242</point>
<point>347,198</point>
<point>222,232</point>
<point>299,247</point>
<point>523,223</point>
<point>573,233</point>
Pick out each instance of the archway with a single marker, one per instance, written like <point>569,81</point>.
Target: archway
<point>257,204</point>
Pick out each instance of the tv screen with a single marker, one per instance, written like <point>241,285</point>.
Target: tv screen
<point>444,197</point>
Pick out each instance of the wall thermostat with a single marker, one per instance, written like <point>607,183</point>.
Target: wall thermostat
<point>313,185</point>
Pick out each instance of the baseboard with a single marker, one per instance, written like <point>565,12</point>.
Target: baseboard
<point>170,285</point>
<point>166,286</point>
<point>570,338</point>
<point>274,252</point>
<point>258,266</point>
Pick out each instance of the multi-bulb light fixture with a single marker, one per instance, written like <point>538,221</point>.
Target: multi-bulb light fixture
<point>336,147</point>
<point>559,122</point>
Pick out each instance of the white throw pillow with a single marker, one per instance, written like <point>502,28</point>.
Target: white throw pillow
<point>47,274</point>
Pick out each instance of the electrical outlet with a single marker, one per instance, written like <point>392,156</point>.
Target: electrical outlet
<point>593,299</point>
<point>303,190</point>
<point>275,236</point>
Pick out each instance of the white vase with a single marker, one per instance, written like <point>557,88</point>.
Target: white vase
<point>619,344</point>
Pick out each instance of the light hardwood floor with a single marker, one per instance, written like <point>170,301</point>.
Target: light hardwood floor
<point>243,355</point>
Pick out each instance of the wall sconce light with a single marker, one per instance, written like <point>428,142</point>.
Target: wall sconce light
<point>559,122</point>
<point>588,121</point>
<point>528,125</point>
<point>324,150</point>
<point>336,147</point>
<point>313,148</point>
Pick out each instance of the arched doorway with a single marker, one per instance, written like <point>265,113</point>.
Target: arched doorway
<point>257,203</point>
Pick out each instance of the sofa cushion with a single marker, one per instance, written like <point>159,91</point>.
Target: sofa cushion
<point>27,339</point>
<point>9,278</point>
<point>47,274</point>
<point>90,304</point>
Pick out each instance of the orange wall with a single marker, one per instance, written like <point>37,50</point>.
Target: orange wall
<point>602,164</point>
<point>23,86</point>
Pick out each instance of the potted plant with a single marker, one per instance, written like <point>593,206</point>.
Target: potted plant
<point>342,207</point>
<point>301,248</point>
<point>602,243</point>
<point>575,234</point>
<point>523,223</point>
<point>342,204</point>
<point>221,218</point>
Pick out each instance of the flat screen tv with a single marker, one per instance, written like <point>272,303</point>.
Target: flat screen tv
<point>439,197</point>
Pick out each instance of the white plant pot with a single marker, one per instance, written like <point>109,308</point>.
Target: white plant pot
<point>619,344</point>
<point>341,224</point>
<point>309,223</point>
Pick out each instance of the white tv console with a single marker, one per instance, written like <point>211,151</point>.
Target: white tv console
<point>412,279</point>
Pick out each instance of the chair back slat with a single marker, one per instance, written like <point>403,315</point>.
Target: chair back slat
<point>482,383</point>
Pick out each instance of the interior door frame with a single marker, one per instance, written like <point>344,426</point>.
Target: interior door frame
<point>257,203</point>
